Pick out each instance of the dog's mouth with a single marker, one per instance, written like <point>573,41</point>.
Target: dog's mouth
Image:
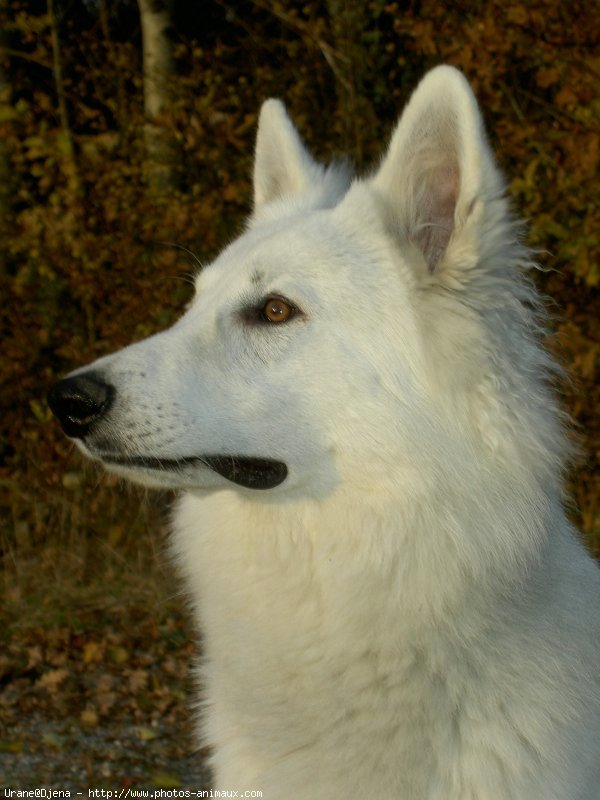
<point>252,473</point>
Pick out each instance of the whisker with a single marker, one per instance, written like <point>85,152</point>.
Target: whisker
<point>186,250</point>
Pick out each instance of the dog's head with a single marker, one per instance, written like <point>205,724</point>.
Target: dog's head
<point>321,341</point>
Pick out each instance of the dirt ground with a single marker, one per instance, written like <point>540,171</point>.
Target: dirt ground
<point>42,752</point>
<point>97,681</point>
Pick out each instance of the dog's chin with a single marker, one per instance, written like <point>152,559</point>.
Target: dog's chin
<point>155,479</point>
<point>195,472</point>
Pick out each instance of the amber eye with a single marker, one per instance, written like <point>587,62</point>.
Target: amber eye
<point>277,310</point>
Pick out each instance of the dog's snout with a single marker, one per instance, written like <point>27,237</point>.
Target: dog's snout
<point>79,402</point>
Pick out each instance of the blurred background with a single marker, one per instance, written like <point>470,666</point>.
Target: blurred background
<point>126,137</point>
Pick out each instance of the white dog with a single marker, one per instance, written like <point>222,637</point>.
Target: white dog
<point>356,409</point>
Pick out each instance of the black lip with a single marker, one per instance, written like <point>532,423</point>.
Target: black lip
<point>252,473</point>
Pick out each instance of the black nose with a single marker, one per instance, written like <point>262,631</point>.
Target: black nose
<point>80,401</point>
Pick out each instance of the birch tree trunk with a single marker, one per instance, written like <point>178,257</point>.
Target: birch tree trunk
<point>67,143</point>
<point>159,70</point>
<point>5,166</point>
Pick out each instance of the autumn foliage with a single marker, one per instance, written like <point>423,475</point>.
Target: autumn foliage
<point>95,256</point>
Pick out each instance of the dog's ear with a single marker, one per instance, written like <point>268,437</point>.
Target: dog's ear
<point>438,170</point>
<point>282,164</point>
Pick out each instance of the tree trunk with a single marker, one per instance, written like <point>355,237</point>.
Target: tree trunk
<point>348,21</point>
<point>159,70</point>
<point>68,145</point>
<point>5,165</point>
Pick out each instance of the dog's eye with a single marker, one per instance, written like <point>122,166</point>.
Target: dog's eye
<point>276,310</point>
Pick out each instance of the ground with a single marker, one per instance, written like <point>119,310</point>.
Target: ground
<point>96,674</point>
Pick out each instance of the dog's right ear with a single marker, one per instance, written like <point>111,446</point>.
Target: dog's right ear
<point>282,166</point>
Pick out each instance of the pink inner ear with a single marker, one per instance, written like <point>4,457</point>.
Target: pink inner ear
<point>440,195</point>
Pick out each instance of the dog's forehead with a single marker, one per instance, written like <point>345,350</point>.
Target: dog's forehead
<point>267,252</point>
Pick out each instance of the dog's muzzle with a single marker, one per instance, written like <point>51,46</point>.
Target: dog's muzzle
<point>81,401</point>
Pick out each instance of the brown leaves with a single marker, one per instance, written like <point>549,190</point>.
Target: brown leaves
<point>549,76</point>
<point>119,672</point>
<point>138,680</point>
<point>52,679</point>
<point>89,717</point>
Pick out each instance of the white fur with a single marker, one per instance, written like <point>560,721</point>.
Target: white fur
<point>409,615</point>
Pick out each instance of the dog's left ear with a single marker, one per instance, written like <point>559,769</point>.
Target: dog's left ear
<point>282,166</point>
<point>438,170</point>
